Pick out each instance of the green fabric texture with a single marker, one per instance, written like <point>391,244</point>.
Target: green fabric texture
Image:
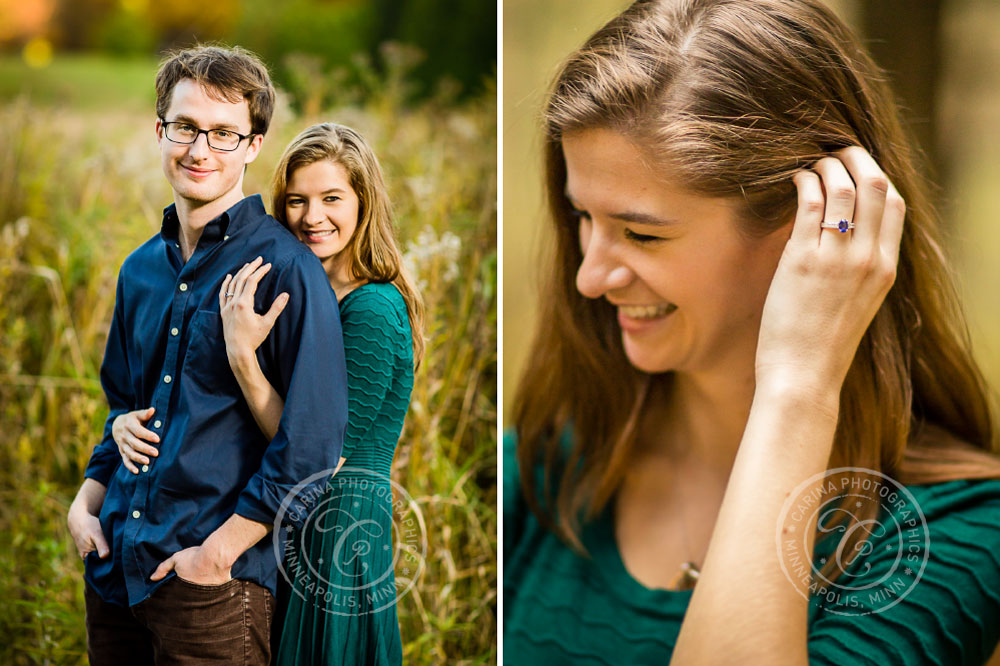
<point>342,609</point>
<point>561,608</point>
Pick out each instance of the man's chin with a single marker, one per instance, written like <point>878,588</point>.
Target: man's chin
<point>200,193</point>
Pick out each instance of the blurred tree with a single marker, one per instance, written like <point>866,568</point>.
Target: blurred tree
<point>20,21</point>
<point>76,24</point>
<point>459,38</point>
<point>456,37</point>
<point>905,38</point>
<point>127,32</point>
<point>183,22</point>
<point>330,33</point>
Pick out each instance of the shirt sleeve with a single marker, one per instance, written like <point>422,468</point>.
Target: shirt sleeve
<point>951,615</point>
<point>371,341</point>
<point>303,358</point>
<point>117,384</point>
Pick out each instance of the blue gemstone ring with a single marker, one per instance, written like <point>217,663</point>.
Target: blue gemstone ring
<point>843,226</point>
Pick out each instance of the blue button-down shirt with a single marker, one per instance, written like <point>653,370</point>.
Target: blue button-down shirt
<point>166,350</point>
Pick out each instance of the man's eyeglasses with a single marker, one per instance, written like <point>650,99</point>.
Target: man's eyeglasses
<point>218,139</point>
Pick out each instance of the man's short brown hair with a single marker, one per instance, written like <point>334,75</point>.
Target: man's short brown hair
<point>227,74</point>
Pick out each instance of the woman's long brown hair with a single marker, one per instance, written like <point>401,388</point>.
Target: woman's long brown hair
<point>373,250</point>
<point>735,96</point>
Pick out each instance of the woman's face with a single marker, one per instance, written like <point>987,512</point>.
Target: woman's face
<point>688,288</point>
<point>321,207</point>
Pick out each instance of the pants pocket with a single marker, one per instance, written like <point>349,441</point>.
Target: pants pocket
<point>193,623</point>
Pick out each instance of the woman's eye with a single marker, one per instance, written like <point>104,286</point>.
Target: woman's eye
<point>579,214</point>
<point>293,202</point>
<point>331,199</point>
<point>641,238</point>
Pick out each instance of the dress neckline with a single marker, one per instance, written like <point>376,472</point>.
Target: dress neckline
<point>352,291</point>
<point>600,540</point>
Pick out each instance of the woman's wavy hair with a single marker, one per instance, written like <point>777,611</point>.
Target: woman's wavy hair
<point>373,251</point>
<point>734,96</point>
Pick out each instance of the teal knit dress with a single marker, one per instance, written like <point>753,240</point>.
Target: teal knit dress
<point>561,608</point>
<point>341,605</point>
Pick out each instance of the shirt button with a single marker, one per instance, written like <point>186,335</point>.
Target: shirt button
<point>145,468</point>
<point>174,331</point>
<point>157,423</point>
<point>166,380</point>
<point>183,286</point>
<point>135,514</point>
<point>226,238</point>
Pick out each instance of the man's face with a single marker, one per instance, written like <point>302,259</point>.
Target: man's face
<point>197,173</point>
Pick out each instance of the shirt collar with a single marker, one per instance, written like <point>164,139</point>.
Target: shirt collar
<point>239,215</point>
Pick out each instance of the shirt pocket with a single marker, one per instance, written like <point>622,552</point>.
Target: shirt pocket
<point>206,366</point>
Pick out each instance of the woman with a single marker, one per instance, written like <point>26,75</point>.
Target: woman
<point>328,190</point>
<point>736,311</point>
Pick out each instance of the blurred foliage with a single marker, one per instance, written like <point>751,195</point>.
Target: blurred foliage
<point>457,36</point>
<point>81,187</point>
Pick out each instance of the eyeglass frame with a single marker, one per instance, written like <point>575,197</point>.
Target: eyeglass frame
<point>200,131</point>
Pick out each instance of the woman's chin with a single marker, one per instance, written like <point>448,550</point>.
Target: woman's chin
<point>652,364</point>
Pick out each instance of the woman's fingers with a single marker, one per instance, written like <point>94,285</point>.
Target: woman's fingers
<point>840,193</point>
<point>242,275</point>
<point>279,304</point>
<point>131,449</point>
<point>892,223</point>
<point>123,450</point>
<point>811,206</point>
<point>872,185</point>
<point>140,446</point>
<point>223,290</point>
<point>140,432</point>
<point>134,454</point>
<point>250,286</point>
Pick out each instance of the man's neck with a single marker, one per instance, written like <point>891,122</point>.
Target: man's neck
<point>194,216</point>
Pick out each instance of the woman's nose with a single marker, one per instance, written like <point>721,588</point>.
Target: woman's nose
<point>601,270</point>
<point>314,214</point>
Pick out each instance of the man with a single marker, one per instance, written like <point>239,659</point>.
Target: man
<point>177,569</point>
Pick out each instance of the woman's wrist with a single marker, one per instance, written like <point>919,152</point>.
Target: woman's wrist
<point>792,391</point>
<point>243,362</point>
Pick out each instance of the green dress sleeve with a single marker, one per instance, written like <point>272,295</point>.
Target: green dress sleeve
<point>513,502</point>
<point>951,615</point>
<point>374,341</point>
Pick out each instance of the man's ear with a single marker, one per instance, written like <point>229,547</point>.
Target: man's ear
<point>254,148</point>
<point>158,127</point>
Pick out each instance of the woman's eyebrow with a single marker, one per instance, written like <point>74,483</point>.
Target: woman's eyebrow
<point>631,216</point>
<point>643,218</point>
<point>332,190</point>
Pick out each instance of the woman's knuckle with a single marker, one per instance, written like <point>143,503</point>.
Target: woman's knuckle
<point>843,193</point>
<point>814,206</point>
<point>888,273</point>
<point>878,182</point>
<point>867,263</point>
